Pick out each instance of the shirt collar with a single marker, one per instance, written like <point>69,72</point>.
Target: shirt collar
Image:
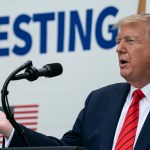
<point>145,90</point>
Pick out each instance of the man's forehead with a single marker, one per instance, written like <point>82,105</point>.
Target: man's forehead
<point>131,33</point>
<point>126,36</point>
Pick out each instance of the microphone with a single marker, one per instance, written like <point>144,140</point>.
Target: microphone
<point>49,70</point>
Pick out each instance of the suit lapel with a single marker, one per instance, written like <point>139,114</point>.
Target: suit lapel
<point>143,140</point>
<point>112,117</point>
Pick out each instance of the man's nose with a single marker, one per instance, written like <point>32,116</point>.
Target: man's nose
<point>121,47</point>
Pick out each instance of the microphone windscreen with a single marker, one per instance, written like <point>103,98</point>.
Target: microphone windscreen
<point>55,69</point>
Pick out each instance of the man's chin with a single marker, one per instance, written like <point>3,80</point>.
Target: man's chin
<point>128,77</point>
<point>124,75</point>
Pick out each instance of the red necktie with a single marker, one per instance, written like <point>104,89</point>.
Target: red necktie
<point>127,134</point>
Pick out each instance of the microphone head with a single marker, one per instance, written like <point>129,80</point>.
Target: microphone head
<point>54,69</point>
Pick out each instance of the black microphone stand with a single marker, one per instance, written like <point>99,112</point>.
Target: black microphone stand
<point>5,103</point>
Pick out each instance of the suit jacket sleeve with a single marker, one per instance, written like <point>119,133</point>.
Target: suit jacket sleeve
<point>35,139</point>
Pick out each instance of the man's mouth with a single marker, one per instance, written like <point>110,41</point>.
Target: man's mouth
<point>123,62</point>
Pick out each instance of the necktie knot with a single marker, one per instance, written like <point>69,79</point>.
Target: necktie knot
<point>138,94</point>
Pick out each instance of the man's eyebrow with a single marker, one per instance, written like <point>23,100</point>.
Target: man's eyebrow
<point>126,37</point>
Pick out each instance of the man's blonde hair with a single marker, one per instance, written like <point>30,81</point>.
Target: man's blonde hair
<point>134,18</point>
<point>142,17</point>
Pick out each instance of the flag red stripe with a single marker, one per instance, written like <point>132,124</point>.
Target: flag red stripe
<point>28,123</point>
<point>26,106</point>
<point>26,112</point>
<point>23,118</point>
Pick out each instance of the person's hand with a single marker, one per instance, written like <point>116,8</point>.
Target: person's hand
<point>5,126</point>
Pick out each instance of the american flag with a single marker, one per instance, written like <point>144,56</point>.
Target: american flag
<point>26,115</point>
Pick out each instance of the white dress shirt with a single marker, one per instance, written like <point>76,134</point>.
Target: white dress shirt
<point>144,108</point>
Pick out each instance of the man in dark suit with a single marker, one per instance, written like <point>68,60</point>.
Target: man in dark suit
<point>100,124</point>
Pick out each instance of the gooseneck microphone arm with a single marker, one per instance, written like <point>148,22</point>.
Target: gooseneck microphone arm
<point>31,74</point>
<point>6,106</point>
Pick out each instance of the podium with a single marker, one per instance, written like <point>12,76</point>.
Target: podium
<point>46,148</point>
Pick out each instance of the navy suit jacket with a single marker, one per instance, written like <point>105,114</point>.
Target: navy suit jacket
<point>95,125</point>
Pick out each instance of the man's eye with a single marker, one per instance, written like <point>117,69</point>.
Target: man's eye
<point>130,40</point>
<point>117,42</point>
